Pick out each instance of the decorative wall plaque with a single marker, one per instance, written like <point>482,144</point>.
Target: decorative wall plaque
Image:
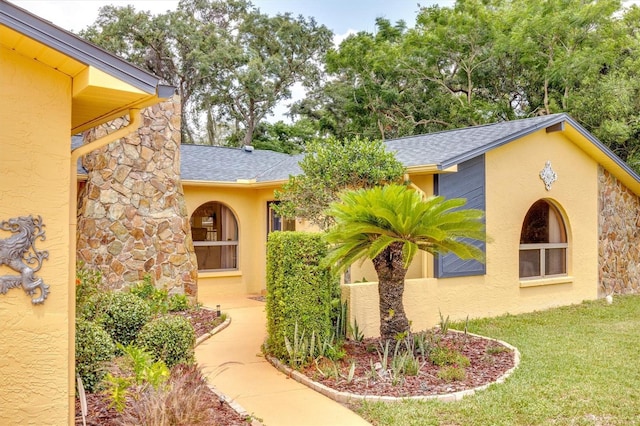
<point>548,176</point>
<point>18,252</point>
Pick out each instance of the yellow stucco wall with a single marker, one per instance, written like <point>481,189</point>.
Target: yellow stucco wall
<point>35,117</point>
<point>513,185</point>
<point>250,208</point>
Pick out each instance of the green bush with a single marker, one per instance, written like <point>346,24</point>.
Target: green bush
<point>94,347</point>
<point>178,303</point>
<point>444,355</point>
<point>91,306</point>
<point>169,338</point>
<point>123,317</point>
<point>299,291</point>
<point>144,289</point>
<point>90,293</point>
<point>159,299</point>
<point>88,283</point>
<point>452,373</point>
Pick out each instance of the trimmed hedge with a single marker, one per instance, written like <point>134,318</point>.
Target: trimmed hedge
<point>298,290</point>
<point>123,317</point>
<point>94,347</point>
<point>169,338</point>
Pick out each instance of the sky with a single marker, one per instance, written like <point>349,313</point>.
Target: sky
<point>341,16</point>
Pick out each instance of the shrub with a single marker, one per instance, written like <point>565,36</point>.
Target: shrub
<point>170,339</point>
<point>93,307</point>
<point>88,283</point>
<point>145,289</point>
<point>159,299</point>
<point>299,291</point>
<point>135,369</point>
<point>94,347</point>
<point>451,373</point>
<point>444,355</point>
<point>90,292</point>
<point>123,317</point>
<point>178,303</point>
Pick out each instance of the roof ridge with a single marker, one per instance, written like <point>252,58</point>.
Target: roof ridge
<point>548,116</point>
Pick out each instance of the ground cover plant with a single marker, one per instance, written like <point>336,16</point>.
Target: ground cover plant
<point>579,366</point>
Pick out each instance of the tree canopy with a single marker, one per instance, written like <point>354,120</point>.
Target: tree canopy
<point>231,63</point>
<point>330,167</point>
<point>476,62</point>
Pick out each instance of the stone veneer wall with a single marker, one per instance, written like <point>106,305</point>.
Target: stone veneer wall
<point>132,217</point>
<point>619,237</point>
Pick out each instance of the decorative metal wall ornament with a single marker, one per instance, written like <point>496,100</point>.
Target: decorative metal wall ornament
<point>548,176</point>
<point>18,251</point>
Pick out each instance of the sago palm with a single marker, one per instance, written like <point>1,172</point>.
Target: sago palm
<point>389,225</point>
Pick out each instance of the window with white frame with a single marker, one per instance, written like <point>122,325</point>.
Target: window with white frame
<point>543,242</point>
<point>215,237</point>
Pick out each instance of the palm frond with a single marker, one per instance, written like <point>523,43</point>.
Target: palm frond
<point>369,220</point>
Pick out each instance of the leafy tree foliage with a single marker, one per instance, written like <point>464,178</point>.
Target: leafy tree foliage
<point>482,61</point>
<point>389,225</point>
<point>231,63</point>
<point>475,62</point>
<point>286,138</point>
<point>331,166</point>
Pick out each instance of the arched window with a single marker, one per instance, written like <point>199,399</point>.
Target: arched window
<point>215,237</point>
<point>543,242</point>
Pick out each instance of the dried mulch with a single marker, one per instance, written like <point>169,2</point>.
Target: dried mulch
<point>488,361</point>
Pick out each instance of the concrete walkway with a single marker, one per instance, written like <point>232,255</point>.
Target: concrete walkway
<point>234,365</point>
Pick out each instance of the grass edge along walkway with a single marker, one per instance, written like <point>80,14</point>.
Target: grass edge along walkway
<point>580,365</point>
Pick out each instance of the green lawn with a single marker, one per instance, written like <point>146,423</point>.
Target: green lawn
<point>580,365</point>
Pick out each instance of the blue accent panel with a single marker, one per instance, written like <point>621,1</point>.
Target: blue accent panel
<point>468,183</point>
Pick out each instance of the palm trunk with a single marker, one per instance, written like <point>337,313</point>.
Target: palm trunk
<point>391,273</point>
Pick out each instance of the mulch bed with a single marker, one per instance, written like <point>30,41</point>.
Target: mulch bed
<point>220,413</point>
<point>488,361</point>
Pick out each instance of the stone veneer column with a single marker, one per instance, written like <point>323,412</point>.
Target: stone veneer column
<point>618,236</point>
<point>132,217</point>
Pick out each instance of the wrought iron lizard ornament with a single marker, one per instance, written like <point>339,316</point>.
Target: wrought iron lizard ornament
<point>18,251</point>
<point>548,176</point>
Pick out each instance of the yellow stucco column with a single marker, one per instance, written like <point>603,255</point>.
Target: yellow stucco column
<point>35,118</point>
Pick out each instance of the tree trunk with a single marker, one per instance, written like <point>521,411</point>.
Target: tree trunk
<point>391,273</point>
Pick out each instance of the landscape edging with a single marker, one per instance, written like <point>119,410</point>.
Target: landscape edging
<point>345,397</point>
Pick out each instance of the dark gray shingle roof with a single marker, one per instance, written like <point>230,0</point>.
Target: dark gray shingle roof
<point>451,147</point>
<point>442,149</point>
<point>220,164</point>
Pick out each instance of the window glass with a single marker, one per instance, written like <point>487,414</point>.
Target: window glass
<point>543,242</point>
<point>214,230</point>
<point>529,263</point>
<point>277,222</point>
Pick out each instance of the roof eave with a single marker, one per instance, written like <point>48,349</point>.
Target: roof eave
<point>234,184</point>
<point>606,158</point>
<point>71,45</point>
<point>431,169</point>
<point>503,141</point>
